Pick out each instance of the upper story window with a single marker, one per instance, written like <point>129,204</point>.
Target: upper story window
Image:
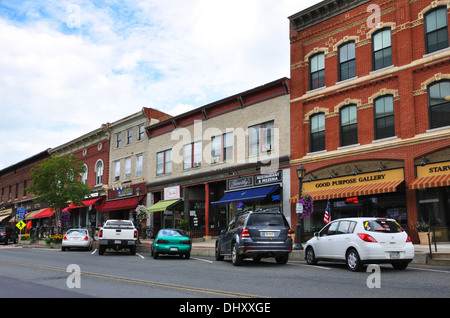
<point>317,132</point>
<point>139,162</point>
<point>164,162</point>
<point>439,104</point>
<point>192,155</point>
<point>99,172</point>
<point>436,30</point>
<point>348,125</point>
<point>24,188</point>
<point>129,136</point>
<point>84,176</point>
<point>384,117</point>
<point>118,140</point>
<point>317,71</point>
<point>222,147</point>
<point>382,49</point>
<point>347,61</point>
<point>127,168</point>
<point>117,170</point>
<point>141,131</point>
<point>260,138</point>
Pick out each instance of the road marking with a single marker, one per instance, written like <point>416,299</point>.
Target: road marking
<point>429,270</point>
<point>203,260</point>
<point>140,255</point>
<point>94,252</point>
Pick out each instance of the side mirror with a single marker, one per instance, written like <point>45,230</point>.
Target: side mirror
<point>316,234</point>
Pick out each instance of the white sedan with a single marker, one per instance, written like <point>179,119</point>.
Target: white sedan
<point>359,241</point>
<point>78,238</point>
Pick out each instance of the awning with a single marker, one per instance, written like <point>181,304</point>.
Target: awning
<point>45,214</point>
<point>431,182</point>
<point>342,192</point>
<point>84,203</point>
<point>247,195</point>
<point>31,215</point>
<point>162,205</point>
<point>5,212</point>
<point>5,215</point>
<point>121,204</point>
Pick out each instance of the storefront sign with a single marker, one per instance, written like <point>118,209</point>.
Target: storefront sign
<point>433,169</point>
<point>268,178</point>
<point>354,180</point>
<point>172,193</point>
<point>256,180</point>
<point>240,183</point>
<point>125,192</point>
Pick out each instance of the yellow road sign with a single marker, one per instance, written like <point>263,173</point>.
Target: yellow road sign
<point>21,225</point>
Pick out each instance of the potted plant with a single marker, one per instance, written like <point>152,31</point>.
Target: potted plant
<point>422,231</point>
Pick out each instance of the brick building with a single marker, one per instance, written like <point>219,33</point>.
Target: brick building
<point>370,110</point>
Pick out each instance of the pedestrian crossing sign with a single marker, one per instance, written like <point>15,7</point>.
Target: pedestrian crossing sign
<point>21,225</point>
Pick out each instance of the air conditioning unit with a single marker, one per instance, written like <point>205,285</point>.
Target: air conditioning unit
<point>215,159</point>
<point>197,164</point>
<point>267,148</point>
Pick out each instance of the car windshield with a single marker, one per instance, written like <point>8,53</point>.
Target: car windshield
<point>170,233</point>
<point>266,219</point>
<point>76,232</point>
<point>119,224</point>
<point>385,226</point>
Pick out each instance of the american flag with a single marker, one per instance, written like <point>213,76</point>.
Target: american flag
<point>327,216</point>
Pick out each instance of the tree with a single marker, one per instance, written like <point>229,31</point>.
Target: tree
<point>57,181</point>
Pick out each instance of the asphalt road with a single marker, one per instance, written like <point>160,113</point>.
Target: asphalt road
<point>44,273</point>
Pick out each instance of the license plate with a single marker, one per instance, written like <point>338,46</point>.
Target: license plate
<point>394,255</point>
<point>174,249</point>
<point>269,234</point>
<point>117,242</point>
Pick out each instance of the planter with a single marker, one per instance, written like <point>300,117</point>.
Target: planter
<point>423,237</point>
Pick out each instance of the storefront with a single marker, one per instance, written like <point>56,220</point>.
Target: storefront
<point>380,193</point>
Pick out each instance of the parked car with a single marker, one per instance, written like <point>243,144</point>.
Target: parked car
<point>7,235</point>
<point>359,241</point>
<point>255,234</point>
<point>172,242</point>
<point>77,238</point>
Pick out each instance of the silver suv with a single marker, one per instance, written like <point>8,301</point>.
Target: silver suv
<point>255,234</point>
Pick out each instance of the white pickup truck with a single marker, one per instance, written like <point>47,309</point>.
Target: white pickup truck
<point>117,235</point>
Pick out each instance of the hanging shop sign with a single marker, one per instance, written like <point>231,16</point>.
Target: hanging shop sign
<point>172,193</point>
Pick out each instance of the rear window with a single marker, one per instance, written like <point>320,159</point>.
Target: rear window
<point>384,226</point>
<point>119,224</point>
<point>82,232</point>
<point>267,219</point>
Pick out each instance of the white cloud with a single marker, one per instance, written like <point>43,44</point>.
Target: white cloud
<point>60,80</point>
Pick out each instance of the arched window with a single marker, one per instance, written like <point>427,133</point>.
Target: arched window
<point>99,172</point>
<point>317,71</point>
<point>384,117</point>
<point>382,49</point>
<point>317,132</point>
<point>348,125</point>
<point>347,61</point>
<point>439,104</point>
<point>436,30</point>
<point>84,176</point>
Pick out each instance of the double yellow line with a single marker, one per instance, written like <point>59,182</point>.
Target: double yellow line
<point>142,282</point>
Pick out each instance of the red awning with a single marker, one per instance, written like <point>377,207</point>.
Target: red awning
<point>121,204</point>
<point>45,214</point>
<point>83,204</point>
<point>431,182</point>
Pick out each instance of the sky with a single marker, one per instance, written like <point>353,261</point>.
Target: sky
<point>69,66</point>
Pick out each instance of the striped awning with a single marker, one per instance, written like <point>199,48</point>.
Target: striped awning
<point>358,190</point>
<point>431,182</point>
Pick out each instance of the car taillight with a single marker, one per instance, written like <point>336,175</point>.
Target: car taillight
<point>185,242</point>
<point>408,239</point>
<point>367,238</point>
<point>135,233</point>
<point>162,241</point>
<point>289,235</point>
<point>65,238</point>
<point>3,233</point>
<point>100,234</point>
<point>245,232</point>
<point>86,238</point>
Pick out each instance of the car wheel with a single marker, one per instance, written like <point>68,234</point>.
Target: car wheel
<point>133,250</point>
<point>187,255</point>
<point>310,256</point>
<point>400,266</point>
<point>155,255</point>
<point>236,259</point>
<point>101,249</point>
<point>282,259</point>
<point>353,261</point>
<point>217,252</point>
<point>63,248</point>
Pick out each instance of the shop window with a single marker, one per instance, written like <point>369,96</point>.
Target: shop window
<point>436,30</point>
<point>222,147</point>
<point>317,132</point>
<point>384,117</point>
<point>439,104</point>
<point>347,61</point>
<point>260,138</point>
<point>348,125</point>
<point>317,71</point>
<point>192,155</point>
<point>382,49</point>
<point>164,162</point>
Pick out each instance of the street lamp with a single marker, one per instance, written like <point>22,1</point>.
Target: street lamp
<point>138,192</point>
<point>298,237</point>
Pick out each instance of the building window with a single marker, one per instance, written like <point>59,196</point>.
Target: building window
<point>261,138</point>
<point>118,140</point>
<point>317,132</point>
<point>384,117</point>
<point>84,176</point>
<point>192,155</point>
<point>10,194</point>
<point>117,171</point>
<point>141,132</point>
<point>347,61</point>
<point>127,168</point>
<point>16,196</point>
<point>222,147</point>
<point>139,161</point>
<point>349,125</point>
<point>99,172</point>
<point>317,71</point>
<point>439,104</point>
<point>382,49</point>
<point>436,30</point>
<point>24,188</point>
<point>164,162</point>
<point>129,136</point>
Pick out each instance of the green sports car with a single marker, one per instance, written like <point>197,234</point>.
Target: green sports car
<point>173,242</point>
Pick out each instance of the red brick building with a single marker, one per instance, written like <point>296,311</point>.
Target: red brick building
<point>370,110</point>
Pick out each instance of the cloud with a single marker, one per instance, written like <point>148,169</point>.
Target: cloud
<point>70,66</point>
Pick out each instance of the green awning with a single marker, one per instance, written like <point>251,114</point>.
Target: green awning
<point>162,205</point>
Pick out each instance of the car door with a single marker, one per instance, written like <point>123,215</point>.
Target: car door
<point>322,247</point>
<point>341,239</point>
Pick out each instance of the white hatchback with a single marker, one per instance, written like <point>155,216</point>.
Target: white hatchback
<point>359,241</point>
